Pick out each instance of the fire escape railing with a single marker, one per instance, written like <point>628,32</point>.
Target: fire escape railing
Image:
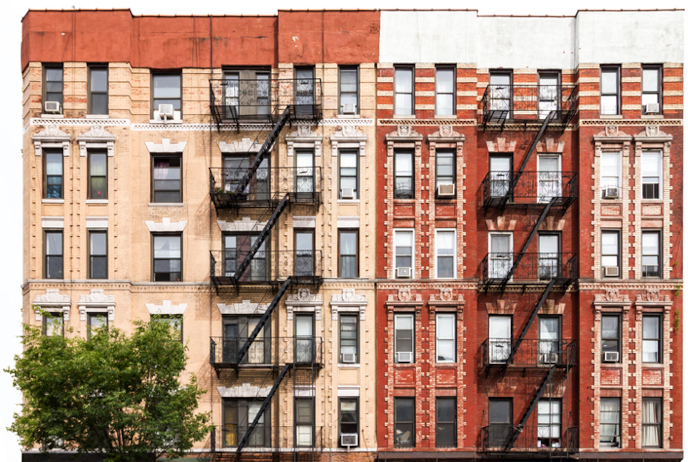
<point>533,353</point>
<point>534,188</point>
<point>553,439</point>
<point>267,267</point>
<point>534,268</point>
<point>264,351</point>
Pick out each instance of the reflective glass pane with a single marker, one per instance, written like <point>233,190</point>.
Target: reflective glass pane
<point>99,80</point>
<point>167,86</point>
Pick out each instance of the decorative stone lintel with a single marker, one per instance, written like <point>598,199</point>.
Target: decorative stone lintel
<point>97,302</point>
<point>167,308</point>
<point>245,224</point>
<point>304,221</point>
<point>404,299</point>
<point>350,302</point>
<point>165,147</point>
<point>166,226</point>
<point>304,301</point>
<point>236,147</point>
<point>349,137</point>
<point>612,297</point>
<point>404,133</point>
<point>652,134</point>
<point>96,138</point>
<point>96,222</point>
<point>52,222</point>
<point>246,307</point>
<point>446,134</point>
<point>304,137</point>
<point>348,391</point>
<point>245,390</point>
<point>54,302</point>
<point>653,299</point>
<point>611,133</point>
<point>51,137</point>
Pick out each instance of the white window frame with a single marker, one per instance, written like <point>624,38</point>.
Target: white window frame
<point>489,245</point>
<point>661,172</point>
<point>618,172</point>
<point>544,155</point>
<point>413,250</point>
<point>453,232</point>
<point>413,336</point>
<point>452,317</point>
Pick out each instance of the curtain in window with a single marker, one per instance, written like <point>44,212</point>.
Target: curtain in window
<point>161,171</point>
<point>609,420</point>
<point>652,418</point>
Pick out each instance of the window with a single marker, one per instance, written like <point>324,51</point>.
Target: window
<point>53,255</point>
<point>97,255</point>
<point>403,253</point>
<point>549,256</point>
<point>549,343</point>
<point>500,430</point>
<point>175,323</point>
<point>610,254</point>
<point>548,93</point>
<point>235,169</point>
<point>53,325</point>
<point>305,90</point>
<point>499,331</point>
<point>53,87</point>
<point>501,255</point>
<point>651,254</point>
<point>348,175</point>
<point>237,247</point>
<point>610,339</point>
<point>167,257</point>
<point>549,177</point>
<point>304,350</point>
<point>97,89</point>
<point>53,182</point>
<point>445,422</point>
<point>97,175</point>
<point>348,90</point>
<point>167,178</point>
<point>348,416</point>
<point>403,338</point>
<point>305,421</point>
<point>445,171</point>
<point>236,331</point>
<point>348,338</point>
<point>652,352</point>
<point>499,103</point>
<point>96,321</point>
<point>305,255</point>
<point>549,423</point>
<point>445,341</point>
<point>652,422</point>
<point>651,99</point>
<point>246,94</point>
<point>445,262</point>
<point>403,90</point>
<point>610,422</point>
<point>238,415</point>
<point>610,174</point>
<point>500,175</point>
<point>305,176</point>
<point>167,89</point>
<point>610,93</point>
<point>403,175</point>
<point>445,84</point>
<point>651,170</point>
<point>404,422</point>
<point>348,253</point>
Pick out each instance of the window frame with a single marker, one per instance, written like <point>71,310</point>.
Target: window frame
<point>349,68</point>
<point>239,403</point>
<point>618,175</point>
<point>451,154</point>
<point>658,92</point>
<point>660,406</point>
<point>181,177</point>
<point>168,318</point>
<point>438,422</point>
<point>396,232</point>
<point>357,417</point>
<point>451,339</point>
<point>658,233</point>
<point>181,255</point>
<point>45,91</point>
<point>297,423</point>
<point>551,425</point>
<point>355,232</point>
<point>437,255</point>
<point>617,338</point>
<point>90,92</point>
<point>558,98</point>
<point>413,337</point>
<point>99,152</point>
<point>89,327</point>
<point>46,273</point>
<point>50,153</point>
<point>657,340</point>
<point>618,254</point>
<point>91,233</point>
<point>53,315</point>
<point>248,274</point>
<point>410,152</point>
<point>406,401</point>
<point>446,68</point>
<point>510,74</point>
<point>618,425</point>
<point>165,73</point>
<point>493,270</point>
<point>342,317</point>
<point>608,68</point>
<point>348,152</point>
<point>412,93</point>
<point>659,177</point>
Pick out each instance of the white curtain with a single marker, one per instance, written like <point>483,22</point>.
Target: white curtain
<point>609,421</point>
<point>652,418</point>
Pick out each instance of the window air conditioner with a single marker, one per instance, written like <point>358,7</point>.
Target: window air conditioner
<point>348,193</point>
<point>611,271</point>
<point>349,439</point>
<point>165,111</point>
<point>652,108</point>
<point>548,358</point>
<point>348,358</point>
<point>403,356</point>
<point>611,356</point>
<point>348,109</point>
<point>445,190</point>
<point>610,193</point>
<point>404,272</point>
<point>52,107</point>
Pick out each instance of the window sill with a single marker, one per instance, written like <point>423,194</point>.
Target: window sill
<point>166,122</point>
<point>348,201</point>
<point>52,116</point>
<point>349,366</point>
<point>611,116</point>
<point>97,116</point>
<point>53,201</point>
<point>619,364</point>
<point>612,201</point>
<point>165,204</point>
<point>652,116</point>
<point>399,116</point>
<point>97,201</point>
<point>446,117</point>
<point>348,116</point>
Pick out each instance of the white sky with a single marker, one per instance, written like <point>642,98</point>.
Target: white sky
<point>11,127</point>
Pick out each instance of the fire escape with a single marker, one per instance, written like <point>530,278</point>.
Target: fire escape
<point>271,191</point>
<point>537,194</point>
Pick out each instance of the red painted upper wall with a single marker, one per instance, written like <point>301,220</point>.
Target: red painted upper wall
<point>173,42</point>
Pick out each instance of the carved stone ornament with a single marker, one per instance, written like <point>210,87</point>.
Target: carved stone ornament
<point>405,131</point>
<point>303,295</point>
<point>653,295</point>
<point>304,137</point>
<point>350,131</point>
<point>245,390</point>
<point>445,294</point>
<point>651,130</point>
<point>653,133</point>
<point>612,295</point>
<point>245,145</point>
<point>51,137</point>
<point>446,130</point>
<point>51,131</point>
<point>97,297</point>
<point>404,295</point>
<point>54,302</point>
<point>305,131</point>
<point>611,130</point>
<point>167,308</point>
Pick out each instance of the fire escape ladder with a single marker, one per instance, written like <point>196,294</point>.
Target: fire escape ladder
<point>531,407</point>
<point>265,404</point>
<point>541,132</point>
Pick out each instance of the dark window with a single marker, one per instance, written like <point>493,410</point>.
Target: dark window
<point>348,175</point>
<point>238,415</point>
<point>500,415</point>
<point>236,331</point>
<point>610,337</point>
<point>97,89</point>
<point>652,423</point>
<point>167,89</point>
<point>610,422</point>
<point>445,169</point>
<point>549,423</point>
<point>652,351</point>
<point>548,93</point>
<point>96,321</point>
<point>403,338</point>
<point>53,255</point>
<point>97,175</point>
<point>348,90</point>
<point>610,254</point>
<point>348,253</point>
<point>97,253</point>
<point>348,338</point>
<point>304,422</point>
<point>54,178</point>
<point>610,92</point>
<point>403,175</point>
<point>499,103</point>
<point>53,325</point>
<point>651,99</point>
<point>404,422</point>
<point>445,86</point>
<point>167,178</point>
<point>305,255</point>
<point>445,423</point>
<point>176,323</point>
<point>403,90</point>
<point>246,94</point>
<point>305,176</point>
<point>348,416</point>
<point>53,83</point>
<point>651,254</point>
<point>651,170</point>
<point>167,257</point>
<point>236,167</point>
<point>237,247</point>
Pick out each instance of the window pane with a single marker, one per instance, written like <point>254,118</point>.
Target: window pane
<point>53,74</point>
<point>53,244</point>
<point>99,104</point>
<point>167,86</point>
<point>53,163</point>
<point>608,81</point>
<point>650,243</point>
<point>168,247</point>
<point>610,243</point>
<point>650,79</point>
<point>651,164</point>
<point>98,244</point>
<point>99,80</point>
<point>98,164</point>
<point>349,80</point>
<point>404,322</point>
<point>445,81</point>
<point>500,79</point>
<point>445,242</point>
<point>403,80</point>
<point>610,327</point>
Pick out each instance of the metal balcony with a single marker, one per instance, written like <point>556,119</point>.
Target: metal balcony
<point>267,187</point>
<point>531,353</point>
<point>266,352</point>
<point>533,188</point>
<point>543,440</point>
<point>286,438</point>
<point>267,267</point>
<point>528,103</point>
<point>533,268</point>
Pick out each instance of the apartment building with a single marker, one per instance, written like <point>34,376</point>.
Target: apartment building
<point>377,240</point>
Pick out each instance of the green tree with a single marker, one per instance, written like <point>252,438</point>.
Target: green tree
<point>113,394</point>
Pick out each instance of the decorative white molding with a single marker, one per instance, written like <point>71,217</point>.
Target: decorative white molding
<point>348,222</point>
<point>52,222</point>
<point>652,133</point>
<point>304,301</point>
<point>611,133</point>
<point>404,133</point>
<point>446,133</point>
<point>53,302</point>
<point>304,391</point>
<point>348,391</point>
<point>96,222</point>
<point>167,308</point>
<point>97,138</point>
<point>245,390</point>
<point>97,302</point>
<point>166,226</point>
<point>51,137</point>
<point>245,145</point>
<point>349,301</point>
<point>245,224</point>
<point>348,137</point>
<point>165,147</point>
<point>246,307</point>
<point>304,222</point>
<point>304,138</point>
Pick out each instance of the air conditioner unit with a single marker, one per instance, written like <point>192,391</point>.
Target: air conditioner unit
<point>52,107</point>
<point>611,356</point>
<point>349,439</point>
<point>348,193</point>
<point>445,190</point>
<point>165,111</point>
<point>549,358</point>
<point>403,356</point>
<point>611,192</point>
<point>652,108</point>
<point>404,272</point>
<point>348,358</point>
<point>611,271</point>
<point>348,109</point>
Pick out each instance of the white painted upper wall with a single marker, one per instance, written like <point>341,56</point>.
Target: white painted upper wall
<point>531,42</point>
